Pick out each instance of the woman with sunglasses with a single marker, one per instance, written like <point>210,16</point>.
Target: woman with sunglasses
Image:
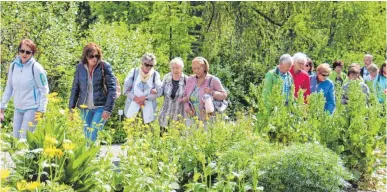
<point>320,82</point>
<point>308,67</point>
<point>27,82</point>
<point>142,87</point>
<point>93,90</point>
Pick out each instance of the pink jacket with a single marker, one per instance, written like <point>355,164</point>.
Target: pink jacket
<point>220,93</point>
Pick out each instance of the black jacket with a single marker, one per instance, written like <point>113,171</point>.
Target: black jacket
<point>79,88</point>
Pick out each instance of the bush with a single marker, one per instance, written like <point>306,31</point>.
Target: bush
<point>303,167</point>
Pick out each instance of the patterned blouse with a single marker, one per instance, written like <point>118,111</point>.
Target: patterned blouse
<point>172,108</point>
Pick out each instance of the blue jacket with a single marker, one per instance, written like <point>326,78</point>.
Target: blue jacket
<point>328,89</point>
<point>79,89</point>
<point>28,85</point>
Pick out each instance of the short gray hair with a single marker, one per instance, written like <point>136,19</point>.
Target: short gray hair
<point>178,61</point>
<point>148,58</point>
<point>286,58</point>
<point>373,68</point>
<point>299,57</point>
<point>369,55</point>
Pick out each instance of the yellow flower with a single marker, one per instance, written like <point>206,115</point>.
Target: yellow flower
<point>4,173</point>
<point>30,124</point>
<point>38,116</point>
<point>21,185</point>
<point>49,140</point>
<point>32,185</point>
<point>90,129</point>
<point>68,146</point>
<point>5,189</point>
<point>83,106</point>
<point>52,152</point>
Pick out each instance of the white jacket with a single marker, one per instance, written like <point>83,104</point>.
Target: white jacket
<point>29,90</point>
<point>134,89</point>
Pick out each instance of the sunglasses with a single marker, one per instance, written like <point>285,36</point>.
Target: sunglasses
<point>26,52</point>
<point>93,56</point>
<point>307,65</point>
<point>324,75</point>
<point>147,65</point>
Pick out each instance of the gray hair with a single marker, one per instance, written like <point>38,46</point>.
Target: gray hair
<point>373,68</point>
<point>369,55</point>
<point>178,61</point>
<point>299,57</point>
<point>286,58</point>
<point>148,58</point>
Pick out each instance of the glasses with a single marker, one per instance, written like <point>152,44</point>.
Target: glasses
<point>147,65</point>
<point>26,52</point>
<point>324,75</point>
<point>307,65</point>
<point>93,56</point>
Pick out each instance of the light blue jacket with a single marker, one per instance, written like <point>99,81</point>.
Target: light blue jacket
<point>380,84</point>
<point>328,88</point>
<point>28,90</point>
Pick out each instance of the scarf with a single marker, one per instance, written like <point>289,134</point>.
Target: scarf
<point>145,77</point>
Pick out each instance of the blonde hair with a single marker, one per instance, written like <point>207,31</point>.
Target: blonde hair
<point>204,62</point>
<point>373,68</point>
<point>324,68</point>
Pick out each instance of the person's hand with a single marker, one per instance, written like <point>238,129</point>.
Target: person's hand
<point>182,100</point>
<point>153,91</point>
<point>2,115</point>
<point>105,115</point>
<point>189,112</point>
<point>140,100</point>
<point>209,91</point>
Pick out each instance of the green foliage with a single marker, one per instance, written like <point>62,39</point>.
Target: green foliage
<point>306,167</point>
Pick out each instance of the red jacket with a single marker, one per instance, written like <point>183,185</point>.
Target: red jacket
<point>301,79</point>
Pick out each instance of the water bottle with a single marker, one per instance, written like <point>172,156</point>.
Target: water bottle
<point>208,105</point>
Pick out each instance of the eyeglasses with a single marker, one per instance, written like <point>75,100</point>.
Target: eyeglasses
<point>92,56</point>
<point>26,52</point>
<point>307,65</point>
<point>147,65</point>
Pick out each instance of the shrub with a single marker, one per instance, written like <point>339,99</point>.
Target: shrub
<point>302,167</point>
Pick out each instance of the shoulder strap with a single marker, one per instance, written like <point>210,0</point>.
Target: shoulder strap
<point>209,82</point>
<point>13,67</point>
<point>134,74</point>
<point>154,77</point>
<point>33,72</point>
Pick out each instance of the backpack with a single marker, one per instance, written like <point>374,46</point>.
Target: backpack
<point>219,105</point>
<point>118,87</point>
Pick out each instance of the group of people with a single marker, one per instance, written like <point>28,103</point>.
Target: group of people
<point>297,72</point>
<point>95,88</point>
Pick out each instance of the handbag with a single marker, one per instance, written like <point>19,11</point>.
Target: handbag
<point>219,105</point>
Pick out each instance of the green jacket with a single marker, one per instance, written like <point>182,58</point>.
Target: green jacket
<point>272,78</point>
<point>334,75</point>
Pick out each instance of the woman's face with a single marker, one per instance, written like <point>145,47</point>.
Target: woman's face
<point>146,67</point>
<point>322,76</point>
<point>353,76</point>
<point>92,58</point>
<point>306,67</point>
<point>176,69</point>
<point>338,69</point>
<point>25,53</point>
<point>198,68</point>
